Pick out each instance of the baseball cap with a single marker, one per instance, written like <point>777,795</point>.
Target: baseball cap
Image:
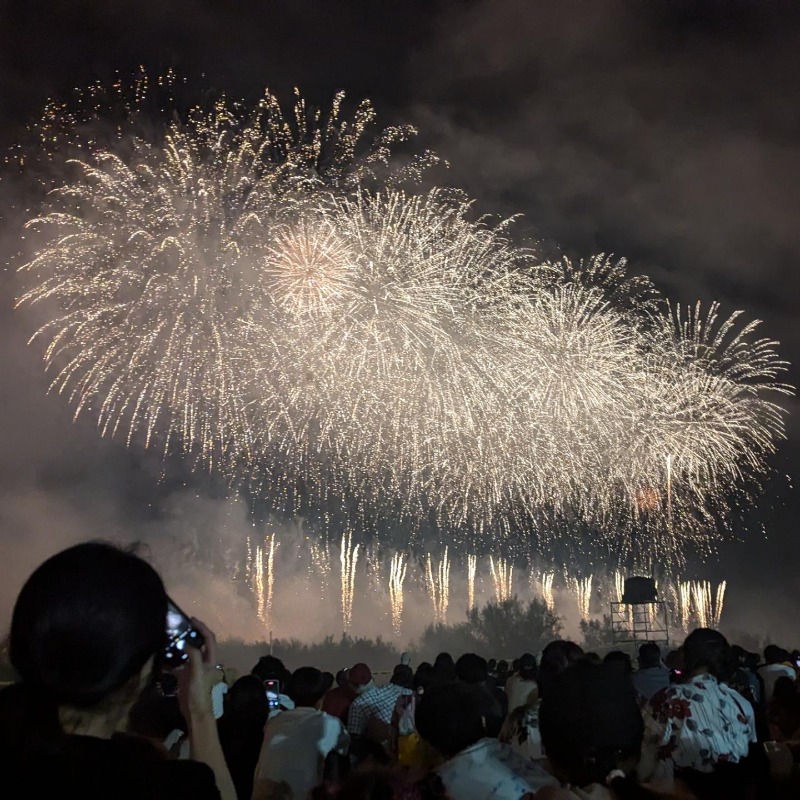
<point>359,675</point>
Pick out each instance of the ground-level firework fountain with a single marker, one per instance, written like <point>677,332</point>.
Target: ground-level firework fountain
<point>440,587</point>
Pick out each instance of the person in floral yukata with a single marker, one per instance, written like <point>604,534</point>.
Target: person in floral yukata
<point>694,727</point>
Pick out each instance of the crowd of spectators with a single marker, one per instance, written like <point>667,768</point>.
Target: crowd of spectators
<point>96,713</point>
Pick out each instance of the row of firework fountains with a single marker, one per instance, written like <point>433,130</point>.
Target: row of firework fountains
<point>689,603</point>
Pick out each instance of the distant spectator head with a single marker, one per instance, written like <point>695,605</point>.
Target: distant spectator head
<point>86,624</point>
<point>592,658</point>
<point>556,657</point>
<point>359,677</point>
<point>502,667</point>
<point>472,669</point>
<point>707,650</point>
<point>403,676</point>
<point>590,723</point>
<point>307,686</point>
<point>649,655</point>
<point>674,660</point>
<point>492,664</point>
<point>617,659</point>
<point>246,700</point>
<point>527,667</point>
<point>328,679</point>
<point>444,667</point>
<point>405,658</point>
<point>341,678</point>
<point>424,676</point>
<point>450,718</point>
<point>270,668</point>
<point>774,654</point>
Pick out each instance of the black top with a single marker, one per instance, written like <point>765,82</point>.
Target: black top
<point>123,767</point>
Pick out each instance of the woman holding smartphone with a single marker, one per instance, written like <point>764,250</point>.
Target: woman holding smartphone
<point>87,632</point>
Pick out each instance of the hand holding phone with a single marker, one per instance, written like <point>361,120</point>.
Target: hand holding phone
<point>180,635</point>
<point>273,690</point>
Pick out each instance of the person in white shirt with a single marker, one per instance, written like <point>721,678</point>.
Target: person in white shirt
<point>450,719</point>
<point>774,668</point>
<point>297,742</point>
<point>522,688</point>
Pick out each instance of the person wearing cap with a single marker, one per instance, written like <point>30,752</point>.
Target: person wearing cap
<point>370,714</point>
<point>522,688</point>
<point>298,741</point>
<point>337,701</point>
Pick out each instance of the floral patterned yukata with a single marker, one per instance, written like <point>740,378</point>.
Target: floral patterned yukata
<point>694,726</point>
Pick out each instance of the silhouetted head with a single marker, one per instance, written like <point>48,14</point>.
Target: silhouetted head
<point>307,686</point>
<point>86,622</point>
<point>556,657</point>
<point>619,660</point>
<point>270,668</point>
<point>472,669</point>
<point>403,676</point>
<point>649,655</point>
<point>590,722</point>
<point>707,650</point>
<point>450,717</point>
<point>247,700</point>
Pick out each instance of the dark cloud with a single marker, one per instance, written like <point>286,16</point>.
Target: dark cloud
<point>667,132</point>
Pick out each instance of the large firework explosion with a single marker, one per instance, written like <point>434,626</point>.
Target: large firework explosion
<point>260,292</point>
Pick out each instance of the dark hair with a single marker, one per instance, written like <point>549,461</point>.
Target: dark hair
<point>403,676</point>
<point>649,655</point>
<point>424,676</point>
<point>709,650</point>
<point>306,686</point>
<point>270,668</point>
<point>444,667</point>
<point>450,718</point>
<point>86,621</point>
<point>773,654</point>
<point>527,666</point>
<point>247,700</point>
<point>556,657</point>
<point>591,724</point>
<point>472,668</point>
<point>619,660</point>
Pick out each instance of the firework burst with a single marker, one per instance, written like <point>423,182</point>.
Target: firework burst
<point>256,291</point>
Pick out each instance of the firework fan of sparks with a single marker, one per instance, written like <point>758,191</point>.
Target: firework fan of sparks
<point>232,289</point>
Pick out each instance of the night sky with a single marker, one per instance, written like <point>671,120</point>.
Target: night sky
<point>664,132</point>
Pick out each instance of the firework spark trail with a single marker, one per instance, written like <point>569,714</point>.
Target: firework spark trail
<point>320,563</point>
<point>685,603</point>
<point>397,576</point>
<point>260,567</point>
<point>472,568</point>
<point>547,589</point>
<point>719,602</point>
<point>706,603</point>
<point>701,597</point>
<point>233,291</point>
<point>348,557</point>
<point>619,586</point>
<point>582,588</point>
<point>437,576</point>
<point>502,577</point>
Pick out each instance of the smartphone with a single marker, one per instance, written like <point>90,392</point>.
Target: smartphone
<point>180,635</point>
<point>273,689</point>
